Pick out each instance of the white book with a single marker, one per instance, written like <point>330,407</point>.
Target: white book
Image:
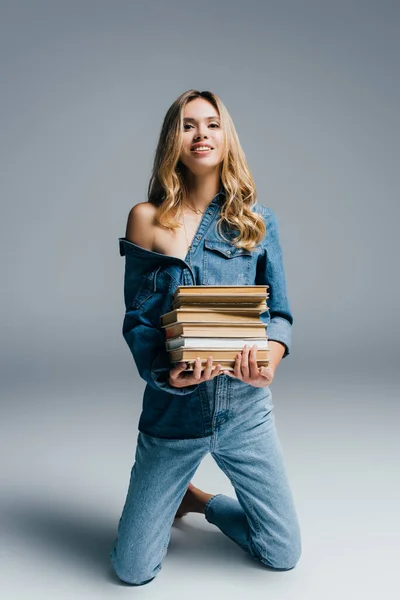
<point>207,342</point>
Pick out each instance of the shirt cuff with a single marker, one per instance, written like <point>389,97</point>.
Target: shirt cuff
<point>280,330</point>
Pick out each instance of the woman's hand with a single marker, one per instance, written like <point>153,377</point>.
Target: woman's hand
<point>247,370</point>
<point>177,377</point>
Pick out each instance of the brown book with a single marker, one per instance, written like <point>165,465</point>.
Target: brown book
<point>221,289</point>
<point>221,298</point>
<point>226,358</point>
<point>218,354</point>
<point>232,330</point>
<point>209,315</point>
<point>219,304</point>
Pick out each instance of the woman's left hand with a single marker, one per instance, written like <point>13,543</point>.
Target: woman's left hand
<point>247,370</point>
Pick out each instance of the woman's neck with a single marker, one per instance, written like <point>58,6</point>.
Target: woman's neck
<point>201,190</point>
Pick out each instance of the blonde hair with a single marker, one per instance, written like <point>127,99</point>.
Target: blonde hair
<point>167,187</point>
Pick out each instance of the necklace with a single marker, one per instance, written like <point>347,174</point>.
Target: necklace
<point>189,246</point>
<point>196,210</point>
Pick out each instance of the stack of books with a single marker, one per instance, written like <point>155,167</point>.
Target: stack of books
<point>216,320</point>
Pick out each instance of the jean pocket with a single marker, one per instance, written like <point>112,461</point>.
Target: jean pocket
<point>225,264</point>
<point>225,249</point>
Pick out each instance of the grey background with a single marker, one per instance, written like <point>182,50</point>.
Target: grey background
<point>313,89</point>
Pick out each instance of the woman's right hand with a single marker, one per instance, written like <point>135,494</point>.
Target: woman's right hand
<point>178,378</point>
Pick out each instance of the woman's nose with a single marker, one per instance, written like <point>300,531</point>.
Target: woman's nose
<point>201,135</point>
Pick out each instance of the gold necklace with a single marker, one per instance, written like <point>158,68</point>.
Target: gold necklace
<point>196,210</point>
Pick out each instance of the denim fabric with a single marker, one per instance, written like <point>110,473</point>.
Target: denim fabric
<point>150,281</point>
<point>244,443</point>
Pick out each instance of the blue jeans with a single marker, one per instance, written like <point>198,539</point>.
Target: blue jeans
<point>245,445</point>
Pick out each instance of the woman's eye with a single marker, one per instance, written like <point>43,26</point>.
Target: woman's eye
<point>189,125</point>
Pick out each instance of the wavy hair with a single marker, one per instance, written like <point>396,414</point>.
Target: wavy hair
<point>167,186</point>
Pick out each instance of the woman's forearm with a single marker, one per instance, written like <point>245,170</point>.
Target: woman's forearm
<point>277,350</point>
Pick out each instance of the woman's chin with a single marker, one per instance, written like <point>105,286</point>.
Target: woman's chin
<point>202,166</point>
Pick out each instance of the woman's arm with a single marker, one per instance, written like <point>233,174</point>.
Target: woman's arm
<point>270,271</point>
<point>140,225</point>
<point>275,354</point>
<point>146,342</point>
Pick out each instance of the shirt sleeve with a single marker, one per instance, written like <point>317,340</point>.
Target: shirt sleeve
<point>147,344</point>
<point>270,271</point>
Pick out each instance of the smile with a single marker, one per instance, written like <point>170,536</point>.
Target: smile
<point>201,150</point>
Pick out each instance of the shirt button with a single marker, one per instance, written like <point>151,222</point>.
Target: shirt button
<point>198,237</point>
<point>210,212</point>
<point>228,251</point>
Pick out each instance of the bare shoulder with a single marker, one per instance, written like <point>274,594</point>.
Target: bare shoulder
<point>140,225</point>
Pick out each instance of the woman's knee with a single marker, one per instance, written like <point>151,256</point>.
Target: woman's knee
<point>132,572</point>
<point>281,557</point>
<point>134,581</point>
<point>282,563</point>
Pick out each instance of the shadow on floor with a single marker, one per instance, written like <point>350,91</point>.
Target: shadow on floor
<point>83,540</point>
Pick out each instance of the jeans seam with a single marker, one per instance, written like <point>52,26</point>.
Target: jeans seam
<point>249,504</point>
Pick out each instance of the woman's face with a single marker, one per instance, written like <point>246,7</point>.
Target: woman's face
<point>201,127</point>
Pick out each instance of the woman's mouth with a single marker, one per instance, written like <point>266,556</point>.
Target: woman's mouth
<point>202,150</point>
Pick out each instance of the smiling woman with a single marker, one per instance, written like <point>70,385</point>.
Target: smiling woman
<point>183,173</point>
<point>202,225</point>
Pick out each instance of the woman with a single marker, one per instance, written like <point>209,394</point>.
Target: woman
<point>203,226</point>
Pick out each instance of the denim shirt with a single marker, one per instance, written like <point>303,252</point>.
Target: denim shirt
<point>149,284</point>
